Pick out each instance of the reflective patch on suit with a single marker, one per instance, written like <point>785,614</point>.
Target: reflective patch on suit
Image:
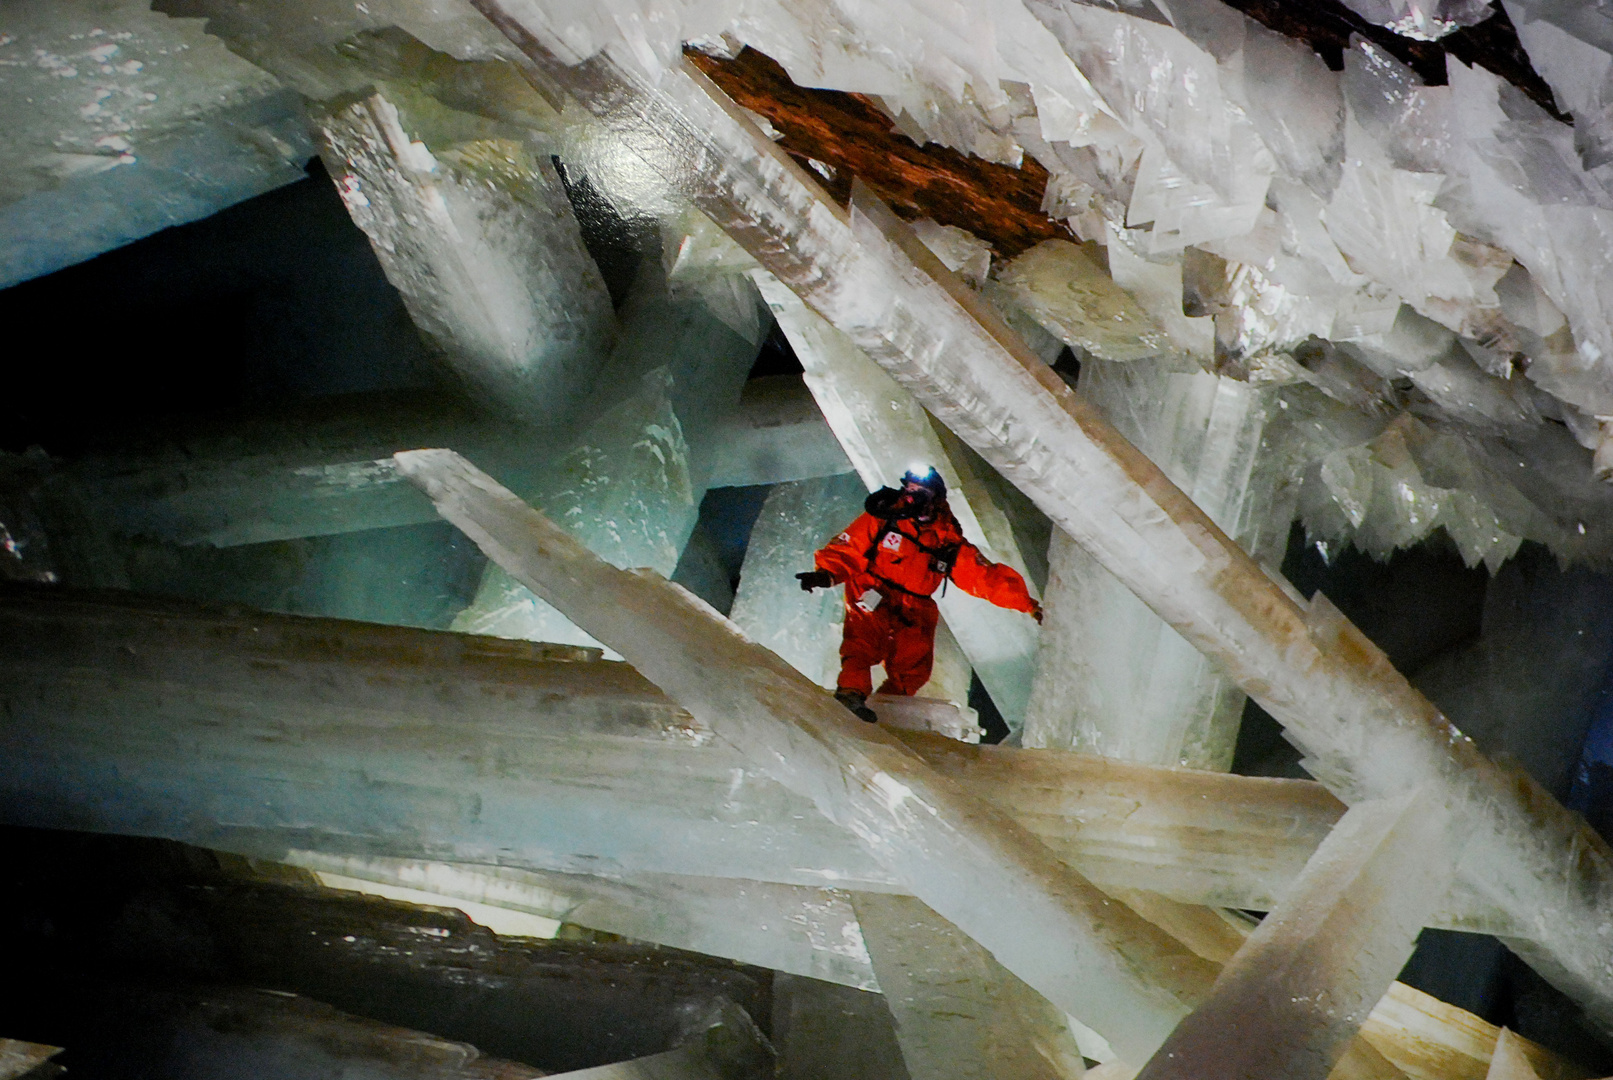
<point>892,541</point>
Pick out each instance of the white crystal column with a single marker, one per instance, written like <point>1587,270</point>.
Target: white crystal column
<point>1368,732</point>
<point>797,519</point>
<point>481,242</point>
<point>958,1012</point>
<point>968,862</point>
<point>1112,677</point>
<point>1292,998</point>
<point>885,431</point>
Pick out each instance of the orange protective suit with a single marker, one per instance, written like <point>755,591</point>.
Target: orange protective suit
<point>905,561</point>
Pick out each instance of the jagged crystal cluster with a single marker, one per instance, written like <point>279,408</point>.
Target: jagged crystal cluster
<point>1428,253</point>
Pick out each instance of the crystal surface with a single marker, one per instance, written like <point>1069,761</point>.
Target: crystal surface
<point>662,797</point>
<point>958,1012</point>
<point>123,121</point>
<point>1299,989</point>
<point>630,487</point>
<point>1065,291</point>
<point>770,607</point>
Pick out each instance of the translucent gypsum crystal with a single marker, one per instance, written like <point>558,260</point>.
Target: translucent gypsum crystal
<point>471,747</point>
<point>884,432</point>
<point>1524,189</point>
<point>421,712</point>
<point>1168,90</point>
<point>802,930</point>
<point>1396,488</point>
<point>958,855</point>
<point>624,489</point>
<point>701,260</point>
<point>1064,290</point>
<point>1385,222</point>
<point>124,121</point>
<point>1412,343</point>
<point>1509,1061</point>
<point>1112,677</point>
<point>410,575</point>
<point>928,711</point>
<point>20,1057</point>
<point>1572,54</point>
<point>776,435</point>
<point>1299,989</point>
<point>1422,20</point>
<point>705,357</point>
<point>1156,284</point>
<point>958,1012</point>
<point>1428,1039</point>
<point>963,252</point>
<point>823,1032</point>
<point>326,469</point>
<point>770,607</point>
<point>1295,105</point>
<point>312,45</point>
<point>479,238</point>
<point>238,1030</point>
<point>1484,402</point>
<point>630,487</point>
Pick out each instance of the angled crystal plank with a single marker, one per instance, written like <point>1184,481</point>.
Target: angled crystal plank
<point>965,859</point>
<point>805,931</point>
<point>958,1012</point>
<point>1367,731</point>
<point>1299,989</point>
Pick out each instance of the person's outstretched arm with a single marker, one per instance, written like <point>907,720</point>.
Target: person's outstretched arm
<point>844,557</point>
<point>1001,584</point>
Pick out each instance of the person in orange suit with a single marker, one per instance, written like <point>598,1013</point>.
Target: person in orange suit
<point>891,560</point>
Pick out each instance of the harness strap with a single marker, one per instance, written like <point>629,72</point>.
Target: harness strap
<point>947,553</point>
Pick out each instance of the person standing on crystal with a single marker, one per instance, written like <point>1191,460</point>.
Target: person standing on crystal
<point>891,560</point>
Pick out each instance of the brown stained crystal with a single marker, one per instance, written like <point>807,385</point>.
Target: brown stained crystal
<point>847,132</point>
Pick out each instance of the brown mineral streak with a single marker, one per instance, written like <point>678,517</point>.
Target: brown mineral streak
<point>998,203</point>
